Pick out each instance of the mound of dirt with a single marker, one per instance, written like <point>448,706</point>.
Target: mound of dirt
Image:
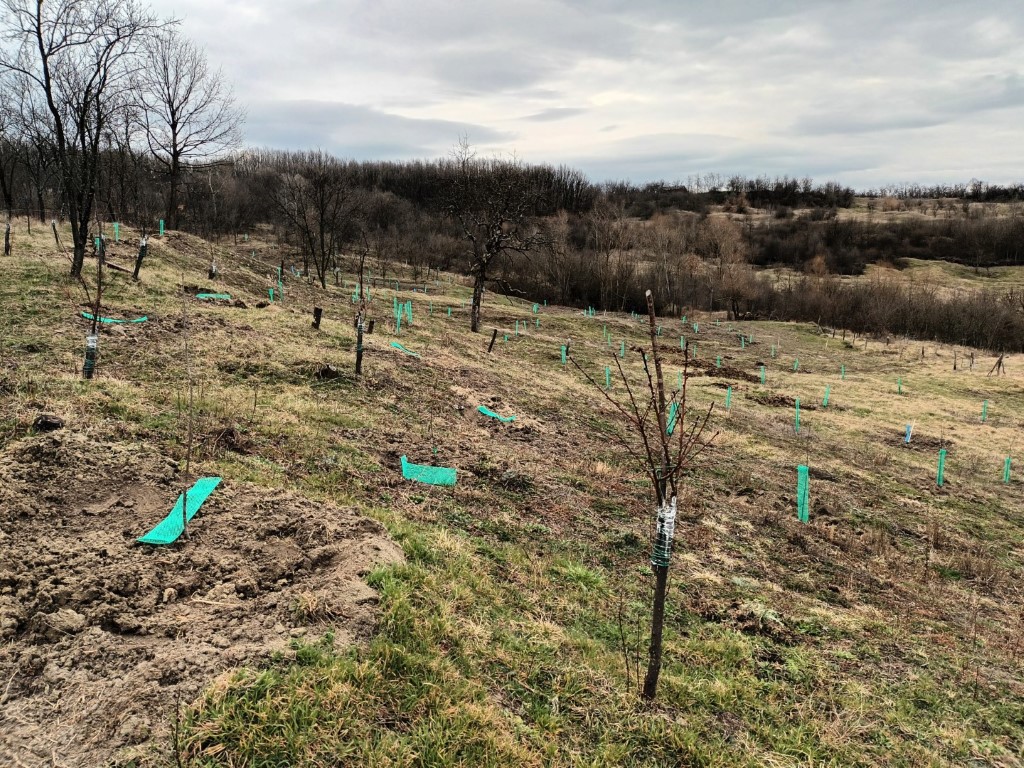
<point>781,401</point>
<point>101,635</point>
<point>708,368</point>
<point>919,441</point>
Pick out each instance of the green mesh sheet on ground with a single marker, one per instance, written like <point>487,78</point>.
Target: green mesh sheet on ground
<point>169,529</point>
<point>224,296</point>
<point>398,346</point>
<point>428,475</point>
<point>88,316</point>
<point>488,412</point>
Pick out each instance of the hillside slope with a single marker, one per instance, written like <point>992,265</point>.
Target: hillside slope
<point>884,631</point>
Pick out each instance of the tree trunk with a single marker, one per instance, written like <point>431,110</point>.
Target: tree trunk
<point>172,195</point>
<point>657,626</point>
<point>478,296</point>
<point>78,260</point>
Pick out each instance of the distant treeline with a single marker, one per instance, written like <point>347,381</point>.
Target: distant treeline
<point>591,244</point>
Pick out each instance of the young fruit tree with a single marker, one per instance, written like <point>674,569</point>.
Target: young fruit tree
<point>666,443</point>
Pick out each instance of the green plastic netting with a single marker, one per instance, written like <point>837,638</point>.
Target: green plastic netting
<point>169,529</point>
<point>88,316</point>
<point>488,412</point>
<point>673,413</point>
<point>224,296</point>
<point>398,346</point>
<point>429,475</point>
<point>802,494</point>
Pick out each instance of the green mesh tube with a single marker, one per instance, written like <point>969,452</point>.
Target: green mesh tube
<point>488,412</point>
<point>429,475</point>
<point>170,528</point>
<point>400,348</point>
<point>1006,470</point>
<point>802,494</point>
<point>673,415</point>
<point>940,474</point>
<point>88,316</point>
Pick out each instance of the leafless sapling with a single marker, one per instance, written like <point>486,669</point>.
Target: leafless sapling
<point>666,447</point>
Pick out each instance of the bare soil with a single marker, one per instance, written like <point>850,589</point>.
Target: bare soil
<point>102,635</point>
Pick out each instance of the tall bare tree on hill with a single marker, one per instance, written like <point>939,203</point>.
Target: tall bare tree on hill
<point>494,203</point>
<point>314,196</point>
<point>80,55</point>
<point>188,110</point>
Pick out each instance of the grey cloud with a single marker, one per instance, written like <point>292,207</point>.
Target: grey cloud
<point>872,91</point>
<point>484,73</point>
<point>675,157</point>
<point>358,132</point>
<point>555,113</point>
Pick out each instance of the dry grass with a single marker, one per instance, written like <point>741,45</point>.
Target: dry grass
<point>506,598</point>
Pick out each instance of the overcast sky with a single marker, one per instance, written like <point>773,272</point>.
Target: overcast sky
<point>862,92</point>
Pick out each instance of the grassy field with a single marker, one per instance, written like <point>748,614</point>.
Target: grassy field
<point>886,631</point>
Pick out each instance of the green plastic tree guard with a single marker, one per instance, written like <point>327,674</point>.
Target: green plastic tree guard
<point>113,321</point>
<point>400,348</point>
<point>170,528</point>
<point>796,421</point>
<point>563,354</point>
<point>940,475</point>
<point>491,414</point>
<point>728,399</point>
<point>824,402</point>
<point>1006,470</point>
<point>984,411</point>
<point>803,494</point>
<point>425,474</point>
<point>763,376</point>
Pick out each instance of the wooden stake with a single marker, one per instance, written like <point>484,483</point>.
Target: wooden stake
<point>494,335</point>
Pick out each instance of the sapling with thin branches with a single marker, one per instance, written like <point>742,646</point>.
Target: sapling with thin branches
<point>666,451</point>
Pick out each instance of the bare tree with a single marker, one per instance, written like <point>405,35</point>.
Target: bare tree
<point>494,203</point>
<point>10,153</point>
<point>80,56</point>
<point>318,202</point>
<point>188,110</point>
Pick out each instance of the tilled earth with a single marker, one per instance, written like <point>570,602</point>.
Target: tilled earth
<point>101,636</point>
